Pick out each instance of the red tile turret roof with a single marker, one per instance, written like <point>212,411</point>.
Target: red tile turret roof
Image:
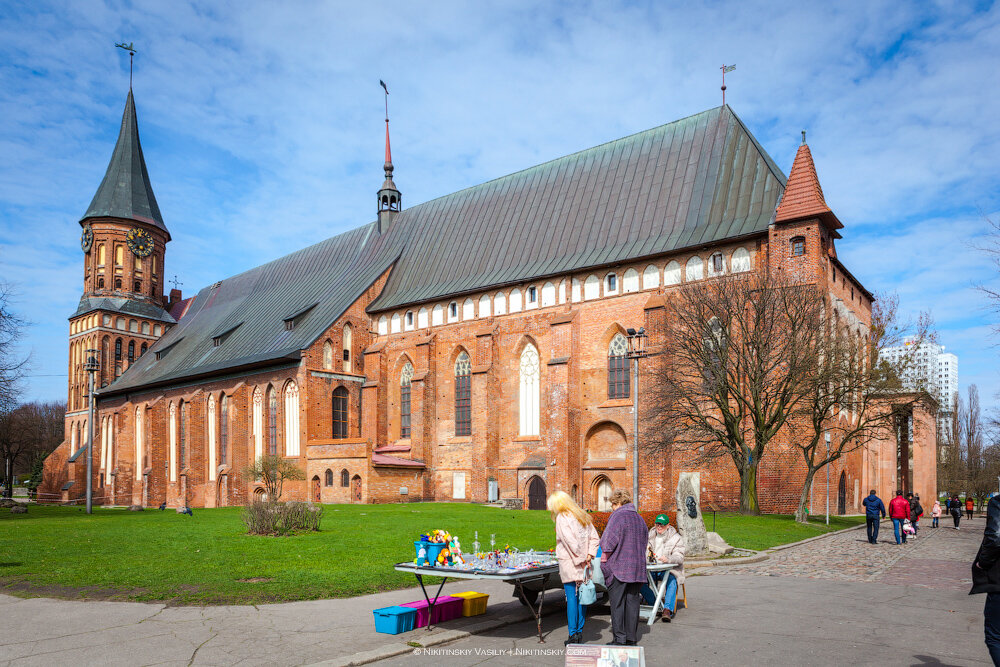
<point>803,197</point>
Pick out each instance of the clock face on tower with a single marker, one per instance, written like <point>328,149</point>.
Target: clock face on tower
<point>139,242</point>
<point>86,238</point>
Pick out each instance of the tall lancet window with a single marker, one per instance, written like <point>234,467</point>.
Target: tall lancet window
<point>529,391</point>
<point>463,395</point>
<point>405,379</point>
<point>618,367</point>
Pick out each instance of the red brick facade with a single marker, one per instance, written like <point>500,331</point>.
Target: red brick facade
<point>583,438</point>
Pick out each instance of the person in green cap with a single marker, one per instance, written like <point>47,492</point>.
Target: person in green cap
<point>667,546</point>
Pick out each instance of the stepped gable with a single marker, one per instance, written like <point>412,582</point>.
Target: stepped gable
<point>692,182</point>
<point>125,191</point>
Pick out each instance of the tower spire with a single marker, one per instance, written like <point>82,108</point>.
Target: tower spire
<point>390,201</point>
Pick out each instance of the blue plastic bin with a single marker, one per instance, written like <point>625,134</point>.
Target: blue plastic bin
<point>394,620</point>
<point>425,546</point>
<point>433,550</point>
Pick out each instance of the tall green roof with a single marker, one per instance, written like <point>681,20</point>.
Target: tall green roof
<point>126,191</point>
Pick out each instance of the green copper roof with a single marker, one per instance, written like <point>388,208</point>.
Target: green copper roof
<point>126,191</point>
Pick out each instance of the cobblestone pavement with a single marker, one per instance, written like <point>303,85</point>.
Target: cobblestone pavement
<point>936,558</point>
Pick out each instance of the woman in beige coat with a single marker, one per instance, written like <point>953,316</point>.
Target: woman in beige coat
<point>576,546</point>
<point>667,546</point>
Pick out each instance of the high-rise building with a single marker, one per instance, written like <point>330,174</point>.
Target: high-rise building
<point>930,368</point>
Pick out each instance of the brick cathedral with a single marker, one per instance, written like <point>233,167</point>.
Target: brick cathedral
<point>466,349</point>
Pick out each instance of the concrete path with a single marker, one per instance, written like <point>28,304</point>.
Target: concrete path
<point>835,601</point>
<point>826,602</point>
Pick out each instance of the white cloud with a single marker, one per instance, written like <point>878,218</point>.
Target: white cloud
<point>262,122</point>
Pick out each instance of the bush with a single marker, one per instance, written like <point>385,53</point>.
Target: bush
<point>273,518</point>
<point>601,519</point>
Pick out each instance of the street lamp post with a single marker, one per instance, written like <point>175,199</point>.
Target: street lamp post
<point>91,366</point>
<point>636,351</point>
<point>827,437</point>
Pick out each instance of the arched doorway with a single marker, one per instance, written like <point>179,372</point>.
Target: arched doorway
<point>842,493</point>
<point>602,494</point>
<point>356,488</point>
<point>536,493</point>
<point>316,489</point>
<point>259,495</point>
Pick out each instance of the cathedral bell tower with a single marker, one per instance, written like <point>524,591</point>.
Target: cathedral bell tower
<point>122,310</point>
<point>390,201</point>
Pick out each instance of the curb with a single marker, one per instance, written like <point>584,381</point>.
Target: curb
<point>782,547</point>
<point>434,639</point>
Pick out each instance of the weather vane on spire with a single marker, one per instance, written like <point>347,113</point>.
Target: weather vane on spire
<point>725,70</point>
<point>388,151</point>
<point>131,53</point>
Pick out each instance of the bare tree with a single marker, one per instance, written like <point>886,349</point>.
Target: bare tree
<point>272,471</point>
<point>981,473</point>
<point>732,370</point>
<point>12,364</point>
<point>27,433</point>
<point>951,466</point>
<point>854,394</point>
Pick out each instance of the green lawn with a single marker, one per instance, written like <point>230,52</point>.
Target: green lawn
<point>153,555</point>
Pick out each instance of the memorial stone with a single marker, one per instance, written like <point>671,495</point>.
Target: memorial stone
<point>689,521</point>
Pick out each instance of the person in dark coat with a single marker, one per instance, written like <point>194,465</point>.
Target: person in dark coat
<point>955,507</point>
<point>986,578</point>
<point>623,562</point>
<point>916,510</point>
<point>874,512</point>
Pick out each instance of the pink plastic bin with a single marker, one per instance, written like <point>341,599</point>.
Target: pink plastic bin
<point>445,609</point>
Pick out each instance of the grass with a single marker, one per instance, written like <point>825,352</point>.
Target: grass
<point>152,555</point>
<point>770,530</point>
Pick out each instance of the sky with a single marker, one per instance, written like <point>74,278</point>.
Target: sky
<point>262,124</point>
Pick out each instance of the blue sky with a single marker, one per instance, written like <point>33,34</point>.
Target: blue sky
<point>262,125</point>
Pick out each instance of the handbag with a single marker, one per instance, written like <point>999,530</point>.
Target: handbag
<point>597,576</point>
<point>586,593</point>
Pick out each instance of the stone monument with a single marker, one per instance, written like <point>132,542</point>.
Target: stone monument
<point>689,521</point>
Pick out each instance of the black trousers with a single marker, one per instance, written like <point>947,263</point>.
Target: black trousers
<point>624,598</point>
<point>956,516</point>
<point>872,524</point>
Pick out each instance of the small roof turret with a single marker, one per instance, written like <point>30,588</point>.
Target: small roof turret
<point>803,197</point>
<point>126,191</point>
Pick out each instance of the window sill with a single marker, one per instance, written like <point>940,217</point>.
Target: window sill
<point>616,403</point>
<point>459,440</point>
<point>528,438</point>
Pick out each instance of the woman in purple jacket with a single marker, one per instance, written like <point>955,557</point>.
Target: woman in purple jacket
<point>623,562</point>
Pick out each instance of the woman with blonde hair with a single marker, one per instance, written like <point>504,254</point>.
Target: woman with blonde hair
<point>576,546</point>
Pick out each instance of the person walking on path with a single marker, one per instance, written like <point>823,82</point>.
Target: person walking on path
<point>623,562</point>
<point>874,513</point>
<point>916,511</point>
<point>970,505</point>
<point>986,578</point>
<point>576,546</point>
<point>899,511</point>
<point>955,507</point>
<point>935,513</point>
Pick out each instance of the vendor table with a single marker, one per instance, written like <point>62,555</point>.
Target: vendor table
<point>652,613</point>
<point>517,578</point>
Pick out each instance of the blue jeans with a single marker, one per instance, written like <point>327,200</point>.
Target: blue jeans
<point>991,615</point>
<point>669,595</point>
<point>897,529</point>
<point>574,610</point>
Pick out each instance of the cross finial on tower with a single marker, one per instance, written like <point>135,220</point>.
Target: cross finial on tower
<point>131,53</point>
<point>390,202</point>
<point>176,283</point>
<point>725,70</point>
<point>803,136</point>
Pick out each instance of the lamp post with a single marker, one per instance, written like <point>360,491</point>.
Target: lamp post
<point>636,351</point>
<point>91,366</point>
<point>827,438</point>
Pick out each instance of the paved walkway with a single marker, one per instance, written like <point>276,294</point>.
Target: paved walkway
<point>826,602</point>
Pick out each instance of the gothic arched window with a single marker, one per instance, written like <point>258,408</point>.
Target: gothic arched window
<point>272,422</point>
<point>405,379</point>
<point>618,367</point>
<point>345,478</point>
<point>340,408</point>
<point>327,355</point>
<point>131,351</point>
<point>182,440</point>
<point>224,429</point>
<point>258,423</point>
<point>529,391</point>
<point>118,349</point>
<point>328,477</point>
<point>291,420</point>
<point>463,395</point>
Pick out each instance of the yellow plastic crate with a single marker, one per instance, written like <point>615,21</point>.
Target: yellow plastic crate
<point>473,603</point>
